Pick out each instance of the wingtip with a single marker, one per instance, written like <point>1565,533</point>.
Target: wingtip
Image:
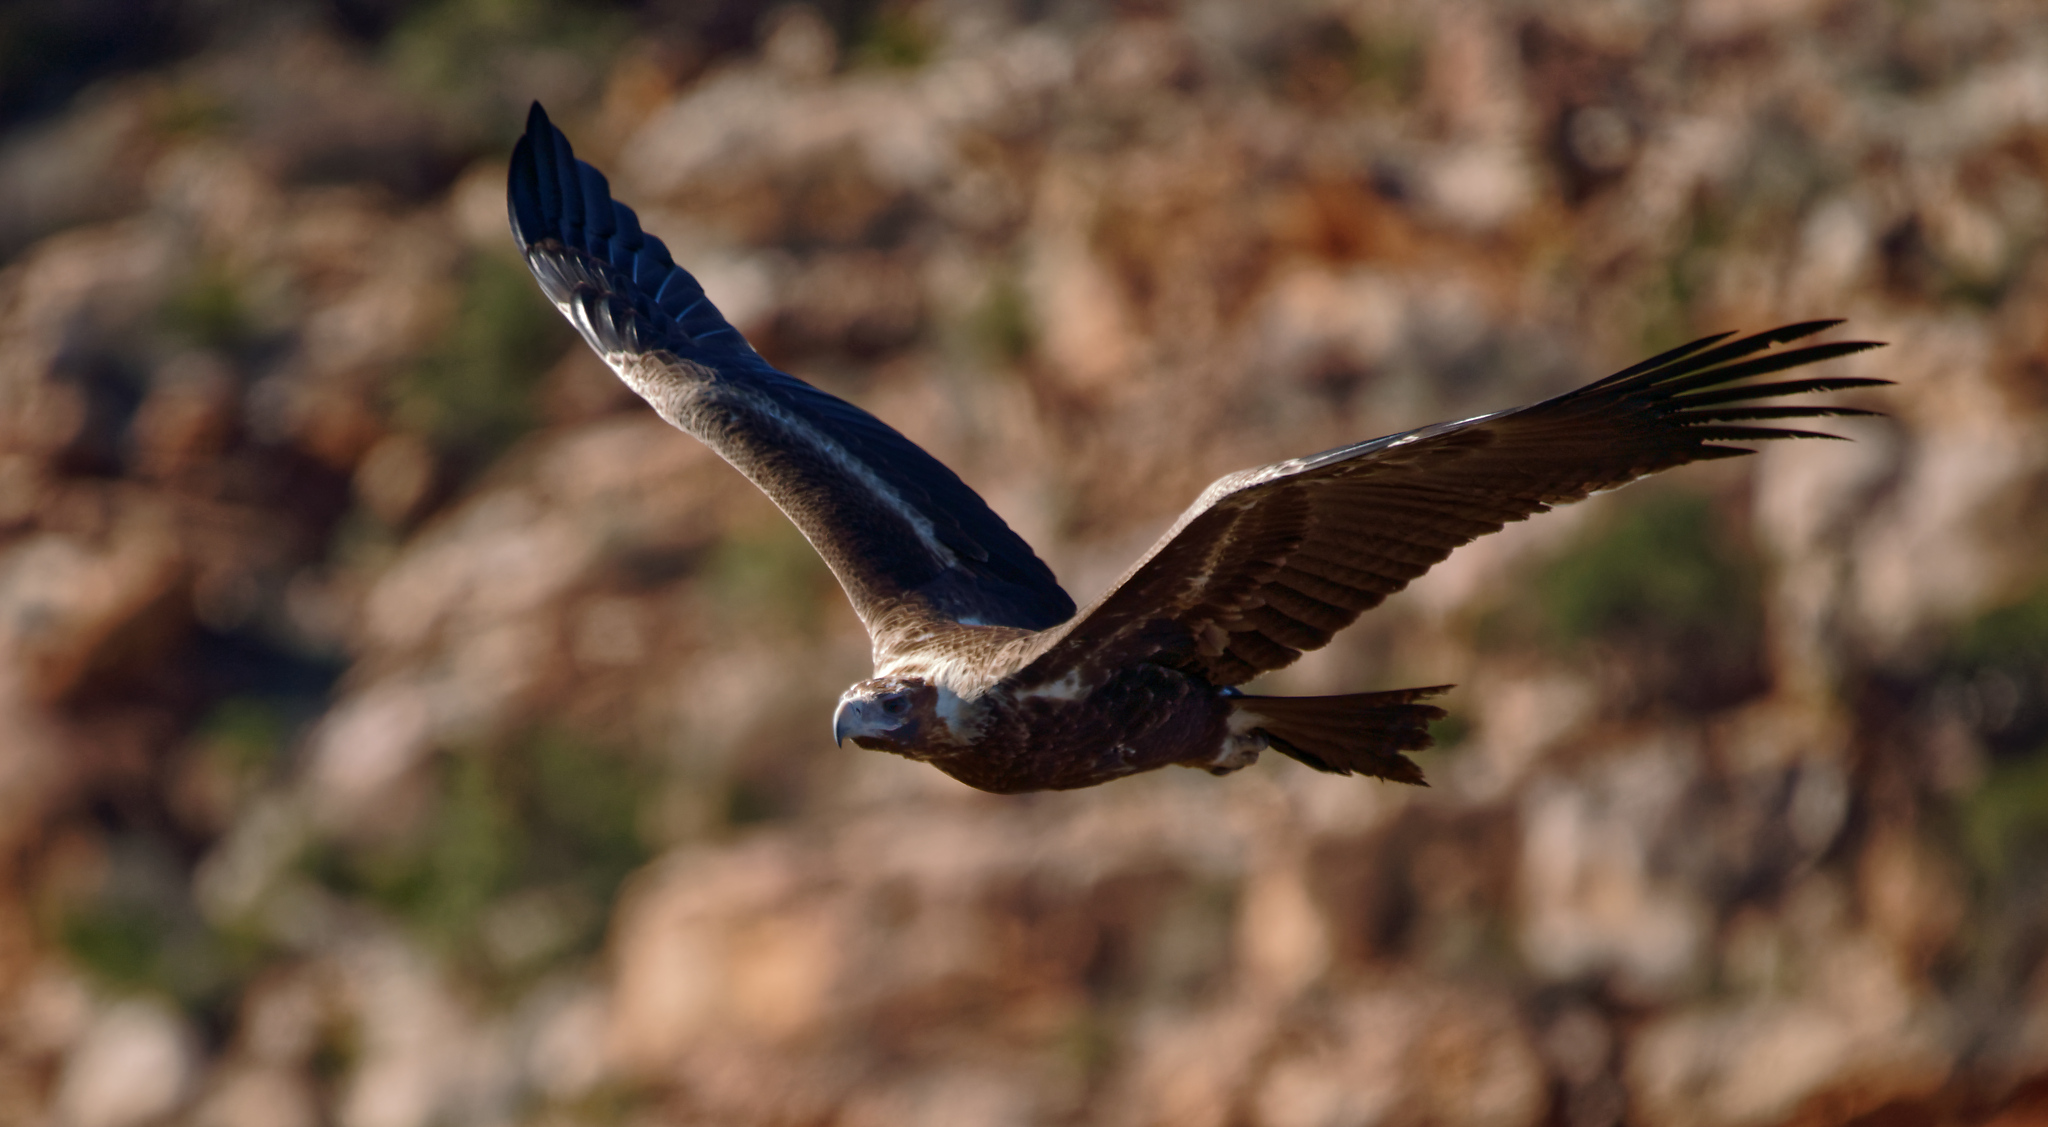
<point>1785,334</point>
<point>1797,330</point>
<point>1808,328</point>
<point>544,185</point>
<point>525,194</point>
<point>520,202</point>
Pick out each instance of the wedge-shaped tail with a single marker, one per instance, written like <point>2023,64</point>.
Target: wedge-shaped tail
<point>1357,733</point>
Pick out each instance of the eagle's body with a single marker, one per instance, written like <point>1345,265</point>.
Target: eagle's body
<point>1119,721</point>
<point>983,666</point>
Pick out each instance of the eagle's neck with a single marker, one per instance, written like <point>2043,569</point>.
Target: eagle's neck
<point>965,661</point>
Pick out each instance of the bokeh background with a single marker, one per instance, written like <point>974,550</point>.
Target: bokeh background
<point>400,726</point>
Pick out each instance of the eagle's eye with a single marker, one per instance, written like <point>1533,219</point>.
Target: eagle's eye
<point>896,704</point>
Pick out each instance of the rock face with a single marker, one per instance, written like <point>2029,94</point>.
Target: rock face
<point>400,726</point>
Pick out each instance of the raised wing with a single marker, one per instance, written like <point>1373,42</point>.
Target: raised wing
<point>1274,561</point>
<point>908,540</point>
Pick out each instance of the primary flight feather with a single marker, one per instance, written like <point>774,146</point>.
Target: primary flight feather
<point>983,666</point>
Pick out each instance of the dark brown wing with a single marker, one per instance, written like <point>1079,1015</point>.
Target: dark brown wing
<point>1271,562</point>
<point>909,541</point>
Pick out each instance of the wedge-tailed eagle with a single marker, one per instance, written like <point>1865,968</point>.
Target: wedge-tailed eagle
<point>983,666</point>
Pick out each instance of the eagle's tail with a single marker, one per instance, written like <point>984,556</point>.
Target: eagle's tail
<point>1358,732</point>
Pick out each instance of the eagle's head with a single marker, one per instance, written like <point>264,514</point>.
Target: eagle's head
<point>898,714</point>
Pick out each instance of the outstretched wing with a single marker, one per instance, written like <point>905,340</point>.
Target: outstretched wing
<point>908,540</point>
<point>1274,561</point>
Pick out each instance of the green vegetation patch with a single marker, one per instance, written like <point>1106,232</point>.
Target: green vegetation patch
<point>1002,324</point>
<point>245,734</point>
<point>1389,64</point>
<point>1992,679</point>
<point>120,944</point>
<point>769,576</point>
<point>893,37</point>
<point>473,394</point>
<point>1452,731</point>
<point>467,52</point>
<point>2014,636</point>
<point>514,870</point>
<point>2006,821</point>
<point>139,932</point>
<point>189,110</point>
<point>1325,61</point>
<point>1662,597</point>
<point>209,309</point>
<point>1664,570</point>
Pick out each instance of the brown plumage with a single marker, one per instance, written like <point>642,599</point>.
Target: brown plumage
<point>983,668</point>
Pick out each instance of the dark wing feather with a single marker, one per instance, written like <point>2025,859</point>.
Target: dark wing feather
<point>907,538</point>
<point>1273,561</point>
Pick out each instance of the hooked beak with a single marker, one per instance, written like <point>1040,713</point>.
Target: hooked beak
<point>843,722</point>
<point>864,721</point>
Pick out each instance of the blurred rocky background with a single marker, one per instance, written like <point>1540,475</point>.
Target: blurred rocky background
<point>399,726</point>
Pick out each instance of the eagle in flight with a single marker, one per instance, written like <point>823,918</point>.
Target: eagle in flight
<point>983,666</point>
